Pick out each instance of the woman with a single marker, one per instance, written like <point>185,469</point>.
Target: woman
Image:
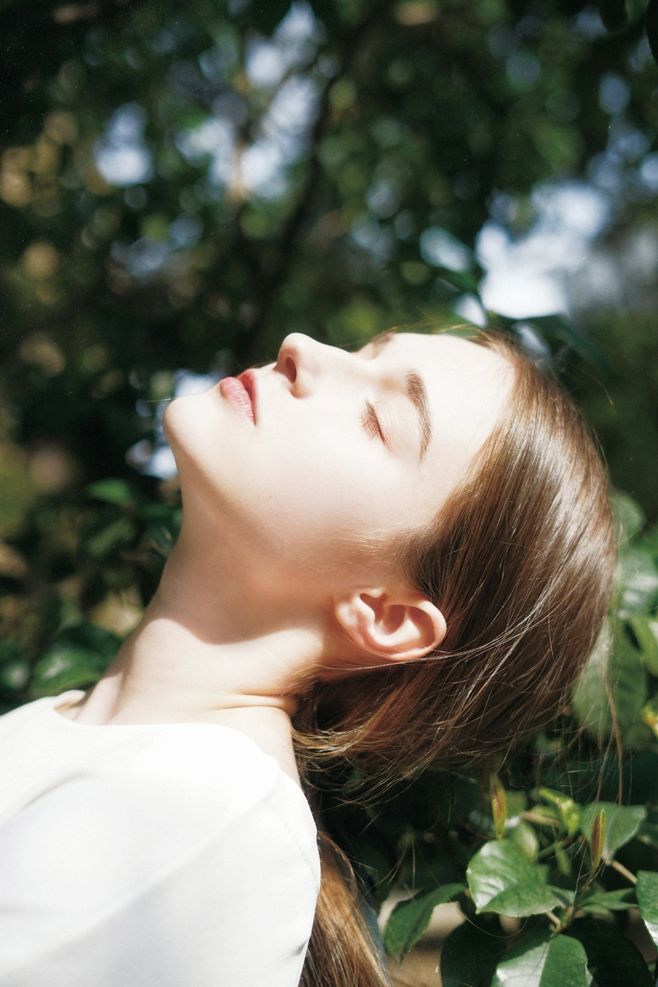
<point>394,555</point>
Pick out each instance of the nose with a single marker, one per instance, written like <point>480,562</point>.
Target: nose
<point>301,358</point>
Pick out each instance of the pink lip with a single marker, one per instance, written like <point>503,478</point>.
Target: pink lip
<point>241,392</point>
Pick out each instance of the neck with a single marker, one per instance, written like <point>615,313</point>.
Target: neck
<point>209,648</point>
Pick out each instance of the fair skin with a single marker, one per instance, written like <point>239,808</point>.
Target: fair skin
<point>280,572</point>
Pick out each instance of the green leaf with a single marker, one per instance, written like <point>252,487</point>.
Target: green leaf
<point>604,902</point>
<point>622,823</point>
<point>650,714</point>
<point>568,809</point>
<point>628,514</point>
<point>410,918</point>
<point>639,580</point>
<point>65,668</point>
<point>557,329</point>
<point>612,959</point>
<point>469,956</point>
<point>113,491</point>
<point>462,280</point>
<point>502,879</point>
<point>541,959</point>
<point>648,833</point>
<point>563,860</point>
<point>646,632</point>
<point>522,835</point>
<point>104,540</point>
<point>78,657</point>
<point>590,694</point>
<point>647,899</point>
<point>615,674</point>
<point>627,679</point>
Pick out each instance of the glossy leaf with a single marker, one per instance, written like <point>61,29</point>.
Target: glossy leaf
<point>501,879</point>
<point>409,919</point>
<point>541,959</point>
<point>647,898</point>
<point>622,823</point>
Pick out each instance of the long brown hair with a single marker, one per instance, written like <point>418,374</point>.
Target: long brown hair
<point>520,560</point>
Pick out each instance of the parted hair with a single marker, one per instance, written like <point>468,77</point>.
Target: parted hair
<point>520,560</point>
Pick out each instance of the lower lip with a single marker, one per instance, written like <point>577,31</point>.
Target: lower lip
<point>235,392</point>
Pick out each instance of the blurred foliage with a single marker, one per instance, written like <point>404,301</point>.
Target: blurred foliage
<point>180,186</point>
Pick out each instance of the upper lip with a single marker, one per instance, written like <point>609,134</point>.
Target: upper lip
<point>248,381</point>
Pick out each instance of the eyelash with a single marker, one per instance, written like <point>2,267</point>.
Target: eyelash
<point>371,423</point>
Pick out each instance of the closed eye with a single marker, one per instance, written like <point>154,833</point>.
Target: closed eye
<point>371,423</point>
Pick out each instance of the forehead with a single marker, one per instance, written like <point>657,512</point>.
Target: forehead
<point>451,362</point>
<point>471,360</point>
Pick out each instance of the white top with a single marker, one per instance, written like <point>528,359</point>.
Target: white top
<point>149,855</point>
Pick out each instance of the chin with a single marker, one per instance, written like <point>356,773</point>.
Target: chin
<point>188,427</point>
<point>200,442</point>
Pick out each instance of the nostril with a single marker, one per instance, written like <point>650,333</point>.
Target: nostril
<point>290,369</point>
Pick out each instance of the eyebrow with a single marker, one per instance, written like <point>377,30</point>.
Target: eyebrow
<point>416,392</point>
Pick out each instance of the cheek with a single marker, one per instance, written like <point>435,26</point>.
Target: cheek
<point>321,483</point>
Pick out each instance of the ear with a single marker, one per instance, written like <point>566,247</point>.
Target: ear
<point>395,627</point>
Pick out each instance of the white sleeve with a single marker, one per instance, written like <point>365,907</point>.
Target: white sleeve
<point>236,911</point>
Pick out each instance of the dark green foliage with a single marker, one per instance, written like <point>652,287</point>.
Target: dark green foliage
<point>470,956</point>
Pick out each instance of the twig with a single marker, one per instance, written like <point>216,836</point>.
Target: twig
<point>624,871</point>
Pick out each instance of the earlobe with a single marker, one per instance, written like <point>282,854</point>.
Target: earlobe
<point>394,627</point>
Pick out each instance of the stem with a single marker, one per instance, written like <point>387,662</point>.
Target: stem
<point>624,871</point>
<point>540,820</point>
<point>554,920</point>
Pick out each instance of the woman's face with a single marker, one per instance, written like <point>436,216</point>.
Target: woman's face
<point>347,448</point>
